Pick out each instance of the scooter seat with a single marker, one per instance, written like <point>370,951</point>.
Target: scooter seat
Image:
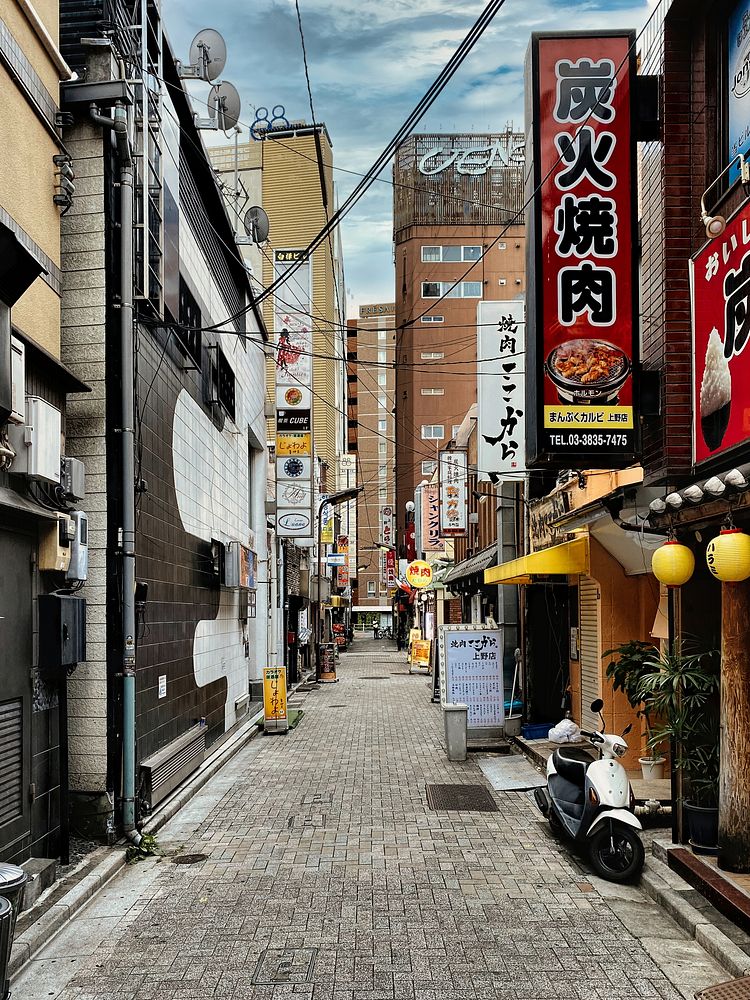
<point>571,763</point>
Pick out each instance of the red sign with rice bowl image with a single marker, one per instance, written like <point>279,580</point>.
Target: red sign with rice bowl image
<point>585,316</point>
<point>720,279</point>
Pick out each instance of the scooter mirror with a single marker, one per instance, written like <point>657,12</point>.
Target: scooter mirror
<point>597,705</point>
<point>627,729</point>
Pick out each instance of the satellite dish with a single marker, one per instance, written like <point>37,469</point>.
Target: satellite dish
<point>224,105</point>
<point>208,51</point>
<point>256,224</point>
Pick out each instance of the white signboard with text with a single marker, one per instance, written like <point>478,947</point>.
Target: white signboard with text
<point>453,475</point>
<point>501,389</point>
<point>471,673</point>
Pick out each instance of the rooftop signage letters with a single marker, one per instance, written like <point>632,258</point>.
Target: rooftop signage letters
<point>471,162</point>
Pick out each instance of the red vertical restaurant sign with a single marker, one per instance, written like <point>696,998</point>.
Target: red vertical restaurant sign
<point>583,302</point>
<point>390,569</point>
<point>720,274</point>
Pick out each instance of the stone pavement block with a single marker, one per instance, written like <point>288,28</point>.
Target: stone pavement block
<point>323,844</point>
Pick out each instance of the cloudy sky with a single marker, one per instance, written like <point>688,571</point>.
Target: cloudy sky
<point>370,63</point>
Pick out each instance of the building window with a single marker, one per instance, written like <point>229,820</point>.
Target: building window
<point>382,424</point>
<point>382,447</point>
<point>382,400</point>
<point>381,335</point>
<point>452,254</point>
<point>382,493</point>
<point>428,468</point>
<point>370,588</point>
<point>451,289</point>
<point>432,391</point>
<point>432,355</point>
<point>190,316</point>
<point>455,429</point>
<point>433,432</point>
<point>382,472</point>
<point>432,319</point>
<point>382,378</point>
<point>382,357</point>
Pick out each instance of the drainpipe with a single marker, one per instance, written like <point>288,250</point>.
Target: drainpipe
<point>119,124</point>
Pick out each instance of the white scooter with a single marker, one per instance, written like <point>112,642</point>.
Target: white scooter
<point>591,801</point>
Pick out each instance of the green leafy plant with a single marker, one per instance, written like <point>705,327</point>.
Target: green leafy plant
<point>681,691</point>
<point>634,661</point>
<point>147,848</point>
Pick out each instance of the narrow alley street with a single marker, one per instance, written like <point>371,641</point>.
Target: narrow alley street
<point>321,873</point>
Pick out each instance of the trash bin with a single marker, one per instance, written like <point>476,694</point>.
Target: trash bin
<point>454,717</point>
<point>12,882</point>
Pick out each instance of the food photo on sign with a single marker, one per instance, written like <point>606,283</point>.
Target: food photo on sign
<point>720,282</point>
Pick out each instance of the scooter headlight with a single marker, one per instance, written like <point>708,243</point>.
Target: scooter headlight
<point>620,749</point>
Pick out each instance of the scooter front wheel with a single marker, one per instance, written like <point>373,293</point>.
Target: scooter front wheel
<point>616,852</point>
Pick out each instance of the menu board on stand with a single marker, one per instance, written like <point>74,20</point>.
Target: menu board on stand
<point>471,673</point>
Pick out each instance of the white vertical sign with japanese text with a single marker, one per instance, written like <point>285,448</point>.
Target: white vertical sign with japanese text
<point>501,389</point>
<point>453,475</point>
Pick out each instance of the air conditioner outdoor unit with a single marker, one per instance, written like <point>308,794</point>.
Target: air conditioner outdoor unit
<point>37,441</point>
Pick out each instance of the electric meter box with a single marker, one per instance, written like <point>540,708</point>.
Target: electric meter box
<point>55,539</point>
<point>79,548</point>
<point>37,442</point>
<point>62,633</point>
<point>73,478</point>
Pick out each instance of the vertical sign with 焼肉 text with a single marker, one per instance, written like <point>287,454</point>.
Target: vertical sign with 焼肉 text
<point>501,389</point>
<point>582,317</point>
<point>390,569</point>
<point>293,345</point>
<point>342,572</point>
<point>453,476</point>
<point>471,672</point>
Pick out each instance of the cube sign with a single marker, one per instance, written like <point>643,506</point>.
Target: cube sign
<point>581,245</point>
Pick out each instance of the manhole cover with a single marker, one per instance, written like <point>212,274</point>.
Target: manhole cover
<point>463,798</point>
<point>736,989</point>
<point>189,859</point>
<point>285,965</point>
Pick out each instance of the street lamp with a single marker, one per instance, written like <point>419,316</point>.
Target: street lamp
<point>334,500</point>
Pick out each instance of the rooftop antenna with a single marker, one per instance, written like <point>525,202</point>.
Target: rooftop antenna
<point>256,226</point>
<point>208,56</point>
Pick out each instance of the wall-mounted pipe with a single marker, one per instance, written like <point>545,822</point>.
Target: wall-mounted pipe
<point>66,73</point>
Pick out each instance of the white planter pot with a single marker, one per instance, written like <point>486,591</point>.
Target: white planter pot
<point>652,768</point>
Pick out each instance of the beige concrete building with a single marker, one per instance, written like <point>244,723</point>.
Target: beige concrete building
<point>373,379</point>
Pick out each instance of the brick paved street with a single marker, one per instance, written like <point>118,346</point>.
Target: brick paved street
<point>327,877</point>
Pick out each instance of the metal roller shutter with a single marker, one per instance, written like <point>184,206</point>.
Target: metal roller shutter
<point>589,598</point>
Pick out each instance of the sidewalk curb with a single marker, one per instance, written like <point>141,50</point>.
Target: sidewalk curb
<point>53,915</point>
<point>692,920</point>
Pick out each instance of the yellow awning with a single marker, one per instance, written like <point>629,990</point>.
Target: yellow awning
<point>570,558</point>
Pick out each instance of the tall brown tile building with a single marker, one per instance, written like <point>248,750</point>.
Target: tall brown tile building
<point>459,238</point>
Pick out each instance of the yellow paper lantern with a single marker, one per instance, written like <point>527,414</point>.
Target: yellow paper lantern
<point>673,564</point>
<point>728,556</point>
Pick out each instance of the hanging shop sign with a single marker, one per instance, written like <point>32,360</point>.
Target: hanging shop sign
<point>419,573</point>
<point>390,569</point>
<point>293,397</point>
<point>543,517</point>
<point>738,84</point>
<point>342,573</point>
<point>453,476</point>
<point>471,672</point>
<point>298,444</point>
<point>720,282</point>
<point>386,525</point>
<point>274,700</point>
<point>293,420</point>
<point>431,540</point>
<point>293,523</point>
<point>501,389</point>
<point>294,494</point>
<point>582,246</point>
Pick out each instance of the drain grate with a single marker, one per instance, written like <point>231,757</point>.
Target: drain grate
<point>279,966</point>
<point>189,859</point>
<point>375,677</point>
<point>461,798</point>
<point>338,706</point>
<point>317,821</point>
<point>736,989</point>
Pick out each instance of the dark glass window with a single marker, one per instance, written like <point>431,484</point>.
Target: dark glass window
<point>190,316</point>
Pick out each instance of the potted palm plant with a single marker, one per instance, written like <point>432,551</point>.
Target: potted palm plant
<point>633,661</point>
<point>682,692</point>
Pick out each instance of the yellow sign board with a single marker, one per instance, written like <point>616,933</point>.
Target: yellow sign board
<point>588,419</point>
<point>419,573</point>
<point>420,653</point>
<point>274,699</point>
<point>294,443</point>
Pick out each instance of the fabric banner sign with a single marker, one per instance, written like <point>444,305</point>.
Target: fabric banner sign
<point>582,246</point>
<point>501,390</point>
